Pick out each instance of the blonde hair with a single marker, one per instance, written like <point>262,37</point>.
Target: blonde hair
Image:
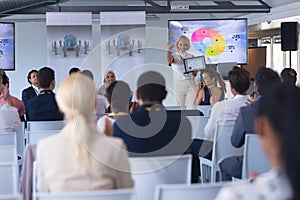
<point>76,99</point>
<point>185,39</point>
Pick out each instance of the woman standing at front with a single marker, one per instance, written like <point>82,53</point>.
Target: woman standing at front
<point>184,83</point>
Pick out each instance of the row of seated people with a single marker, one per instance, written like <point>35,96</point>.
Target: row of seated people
<point>155,111</point>
<point>266,128</point>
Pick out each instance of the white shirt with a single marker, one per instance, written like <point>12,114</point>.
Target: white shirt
<point>178,66</point>
<point>224,113</point>
<point>36,89</point>
<point>101,104</point>
<point>272,185</point>
<point>9,119</point>
<point>100,123</point>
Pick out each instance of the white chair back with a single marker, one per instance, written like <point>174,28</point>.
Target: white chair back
<point>222,148</point>
<point>198,123</point>
<point>124,194</point>
<point>8,138</point>
<point>175,107</point>
<point>205,109</point>
<point>21,142</point>
<point>34,136</point>
<point>44,125</point>
<point>222,144</point>
<point>8,153</point>
<point>9,173</point>
<point>190,192</point>
<point>255,160</point>
<point>11,197</point>
<point>147,172</point>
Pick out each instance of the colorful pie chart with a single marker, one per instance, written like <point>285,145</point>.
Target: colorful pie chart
<point>208,41</point>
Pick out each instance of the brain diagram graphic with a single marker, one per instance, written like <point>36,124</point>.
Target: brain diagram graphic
<point>208,41</point>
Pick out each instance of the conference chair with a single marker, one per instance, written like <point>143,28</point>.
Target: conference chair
<point>8,153</point>
<point>198,123</point>
<point>9,174</point>
<point>124,194</point>
<point>11,197</point>
<point>255,160</point>
<point>190,192</point>
<point>21,143</point>
<point>8,138</point>
<point>34,136</point>
<point>222,148</point>
<point>205,109</point>
<point>45,128</point>
<point>44,125</point>
<point>147,172</point>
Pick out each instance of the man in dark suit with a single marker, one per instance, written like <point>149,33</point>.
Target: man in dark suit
<point>152,130</point>
<point>33,90</point>
<point>232,166</point>
<point>43,107</point>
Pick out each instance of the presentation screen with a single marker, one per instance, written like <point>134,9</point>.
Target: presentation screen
<point>219,40</point>
<point>7,46</point>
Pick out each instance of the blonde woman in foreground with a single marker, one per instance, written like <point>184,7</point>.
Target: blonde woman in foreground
<point>79,158</point>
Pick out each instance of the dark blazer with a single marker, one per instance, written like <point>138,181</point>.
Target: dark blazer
<point>28,93</point>
<point>244,124</point>
<point>153,131</point>
<point>43,107</point>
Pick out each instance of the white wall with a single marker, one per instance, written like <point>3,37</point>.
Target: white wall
<point>31,48</point>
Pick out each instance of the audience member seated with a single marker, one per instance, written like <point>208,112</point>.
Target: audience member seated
<point>79,158</point>
<point>101,101</point>
<point>277,125</point>
<point>232,166</point>
<point>7,98</point>
<point>43,107</point>
<point>289,76</point>
<point>108,79</point>
<point>73,70</point>
<point>119,97</point>
<point>33,90</point>
<point>9,118</point>
<point>225,112</point>
<point>152,130</point>
<point>211,93</point>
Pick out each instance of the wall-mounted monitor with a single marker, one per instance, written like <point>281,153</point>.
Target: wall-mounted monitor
<point>7,46</point>
<point>219,40</point>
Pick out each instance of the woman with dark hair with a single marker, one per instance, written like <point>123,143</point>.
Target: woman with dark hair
<point>211,93</point>
<point>277,125</point>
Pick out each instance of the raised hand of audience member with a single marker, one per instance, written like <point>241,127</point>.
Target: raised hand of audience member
<point>250,100</point>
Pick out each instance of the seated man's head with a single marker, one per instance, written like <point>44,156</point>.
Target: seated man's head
<point>151,88</point>
<point>289,76</point>
<point>46,78</point>
<point>119,96</point>
<point>265,77</point>
<point>32,77</point>
<point>239,79</point>
<point>73,70</point>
